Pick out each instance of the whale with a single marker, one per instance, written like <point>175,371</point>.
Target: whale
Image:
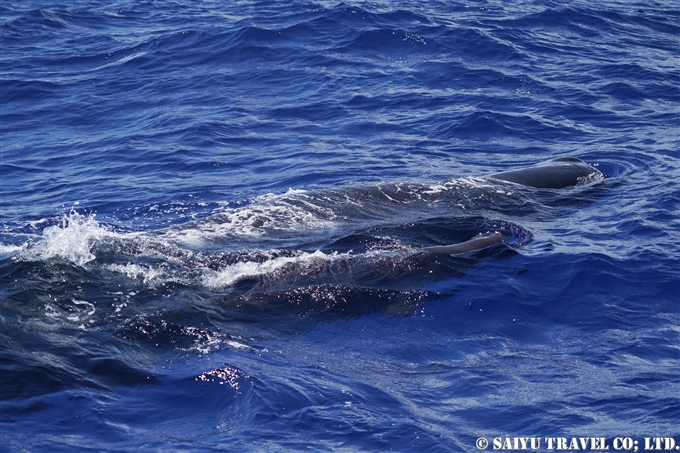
<point>557,173</point>
<point>553,174</point>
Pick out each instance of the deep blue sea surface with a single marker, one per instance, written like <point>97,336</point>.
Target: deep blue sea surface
<point>213,214</point>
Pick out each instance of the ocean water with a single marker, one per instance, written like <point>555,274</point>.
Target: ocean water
<point>212,216</point>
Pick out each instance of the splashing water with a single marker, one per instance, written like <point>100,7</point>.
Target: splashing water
<point>72,240</point>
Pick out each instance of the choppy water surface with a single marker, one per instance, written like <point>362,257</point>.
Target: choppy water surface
<point>213,215</point>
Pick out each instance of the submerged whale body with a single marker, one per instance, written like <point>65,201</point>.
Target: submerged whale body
<point>553,174</point>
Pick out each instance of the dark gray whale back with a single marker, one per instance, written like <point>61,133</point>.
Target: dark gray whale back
<point>553,174</point>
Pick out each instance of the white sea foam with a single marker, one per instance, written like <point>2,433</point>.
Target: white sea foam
<point>83,312</point>
<point>267,214</point>
<point>462,184</point>
<point>149,275</point>
<point>238,271</point>
<point>79,315</point>
<point>9,249</point>
<point>72,239</point>
<point>269,265</point>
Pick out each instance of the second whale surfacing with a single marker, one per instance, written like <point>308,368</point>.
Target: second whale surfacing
<point>481,241</point>
<point>553,174</point>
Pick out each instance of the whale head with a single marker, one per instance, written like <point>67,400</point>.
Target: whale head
<point>553,174</point>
